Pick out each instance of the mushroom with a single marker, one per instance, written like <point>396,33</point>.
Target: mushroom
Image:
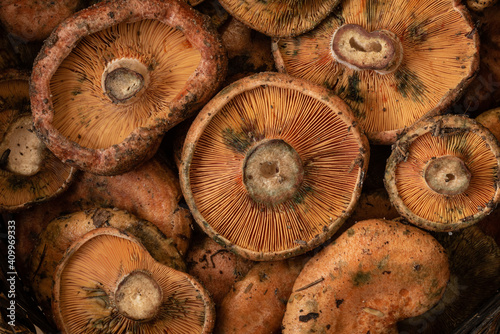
<point>393,62</point>
<point>30,20</point>
<point>280,18</point>
<point>375,274</point>
<point>443,173</point>
<point>29,172</point>
<point>108,282</point>
<point>480,5</point>
<point>215,267</point>
<point>150,192</point>
<point>256,304</point>
<point>272,166</point>
<point>111,79</point>
<point>474,277</point>
<point>61,232</point>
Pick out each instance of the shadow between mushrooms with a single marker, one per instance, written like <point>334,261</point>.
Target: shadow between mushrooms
<point>393,62</point>
<point>110,80</point>
<point>442,174</point>
<point>29,172</point>
<point>108,282</point>
<point>272,166</point>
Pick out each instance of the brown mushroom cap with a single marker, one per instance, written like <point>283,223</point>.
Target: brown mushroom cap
<point>279,18</point>
<point>29,172</point>
<point>272,166</point>
<point>376,273</point>
<point>60,233</point>
<point>31,20</point>
<point>110,80</point>
<point>443,173</point>
<point>108,282</point>
<point>439,47</point>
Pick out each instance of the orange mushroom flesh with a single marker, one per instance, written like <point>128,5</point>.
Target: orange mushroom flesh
<point>276,169</point>
<point>28,171</point>
<point>109,283</point>
<point>434,52</point>
<point>280,18</point>
<point>119,79</point>
<point>443,173</point>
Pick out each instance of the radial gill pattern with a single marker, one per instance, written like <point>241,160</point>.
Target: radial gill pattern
<point>326,146</point>
<point>82,111</point>
<point>439,55</point>
<point>430,205</point>
<point>89,279</point>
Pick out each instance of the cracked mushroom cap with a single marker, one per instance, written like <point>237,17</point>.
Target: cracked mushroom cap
<point>272,166</point>
<point>375,274</point>
<point>108,282</point>
<point>280,18</point>
<point>110,80</point>
<point>442,174</point>
<point>29,172</point>
<point>393,62</point>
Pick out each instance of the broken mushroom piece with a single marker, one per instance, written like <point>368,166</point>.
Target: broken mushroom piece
<point>375,274</point>
<point>442,174</point>
<point>393,62</point>
<point>29,172</point>
<point>110,80</point>
<point>108,282</point>
<point>61,232</point>
<point>272,166</point>
<point>280,18</point>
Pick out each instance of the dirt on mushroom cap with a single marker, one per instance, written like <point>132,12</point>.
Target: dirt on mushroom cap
<point>375,274</point>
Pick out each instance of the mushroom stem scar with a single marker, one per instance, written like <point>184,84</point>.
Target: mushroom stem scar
<point>358,49</point>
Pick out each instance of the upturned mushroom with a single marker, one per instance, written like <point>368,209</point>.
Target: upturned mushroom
<point>280,18</point>
<point>442,174</point>
<point>108,283</point>
<point>393,62</point>
<point>63,231</point>
<point>110,80</point>
<point>272,166</point>
<point>29,172</point>
<point>375,274</point>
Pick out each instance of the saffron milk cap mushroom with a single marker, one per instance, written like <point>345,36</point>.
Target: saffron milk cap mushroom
<point>375,274</point>
<point>29,172</point>
<point>280,18</point>
<point>393,62</point>
<point>272,166</point>
<point>110,80</point>
<point>442,174</point>
<point>108,282</point>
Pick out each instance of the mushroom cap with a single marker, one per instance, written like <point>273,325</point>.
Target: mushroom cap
<point>29,172</point>
<point>474,261</point>
<point>453,138</point>
<point>61,232</point>
<point>374,274</point>
<point>173,55</point>
<point>34,20</point>
<point>272,166</point>
<point>107,281</point>
<point>440,57</point>
<point>280,18</point>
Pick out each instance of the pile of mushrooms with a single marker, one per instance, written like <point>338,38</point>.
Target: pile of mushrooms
<point>251,167</point>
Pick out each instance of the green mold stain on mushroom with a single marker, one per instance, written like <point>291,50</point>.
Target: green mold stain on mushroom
<point>409,84</point>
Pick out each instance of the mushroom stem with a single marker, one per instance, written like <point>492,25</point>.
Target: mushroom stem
<point>124,80</point>
<point>21,150</point>
<point>380,50</point>
<point>138,296</point>
<point>272,172</point>
<point>447,175</point>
